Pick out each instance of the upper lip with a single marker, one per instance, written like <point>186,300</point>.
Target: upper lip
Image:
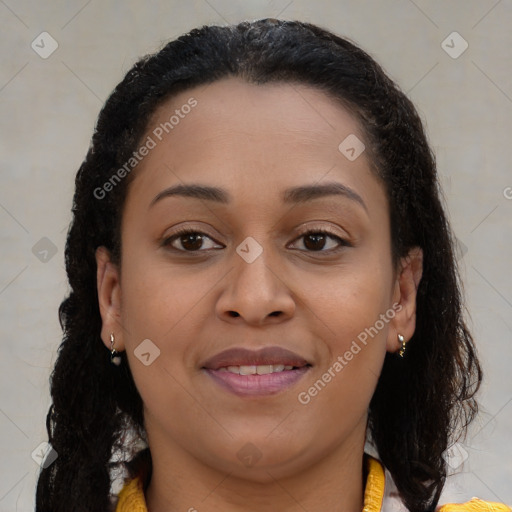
<point>240,356</point>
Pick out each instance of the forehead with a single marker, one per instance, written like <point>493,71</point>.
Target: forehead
<point>251,138</point>
<point>236,109</point>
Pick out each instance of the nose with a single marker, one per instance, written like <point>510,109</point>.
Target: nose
<point>256,293</point>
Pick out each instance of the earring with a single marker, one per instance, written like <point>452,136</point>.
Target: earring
<point>401,339</point>
<point>114,357</point>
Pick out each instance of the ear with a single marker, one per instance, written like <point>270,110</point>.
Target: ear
<point>109,298</point>
<point>404,296</point>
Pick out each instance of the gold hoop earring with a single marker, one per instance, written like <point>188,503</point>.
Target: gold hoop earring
<point>115,358</point>
<point>401,339</point>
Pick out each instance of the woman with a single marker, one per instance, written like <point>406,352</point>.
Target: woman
<point>259,243</point>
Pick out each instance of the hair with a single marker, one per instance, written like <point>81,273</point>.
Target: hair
<point>420,404</point>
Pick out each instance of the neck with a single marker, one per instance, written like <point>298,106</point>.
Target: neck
<point>180,482</point>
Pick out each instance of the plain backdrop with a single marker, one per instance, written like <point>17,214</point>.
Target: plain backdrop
<point>48,109</point>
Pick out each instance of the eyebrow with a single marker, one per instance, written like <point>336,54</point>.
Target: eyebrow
<point>291,195</point>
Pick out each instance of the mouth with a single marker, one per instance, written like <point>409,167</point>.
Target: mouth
<point>268,371</point>
<point>260,369</point>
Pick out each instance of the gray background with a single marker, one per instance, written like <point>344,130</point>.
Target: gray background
<point>48,109</point>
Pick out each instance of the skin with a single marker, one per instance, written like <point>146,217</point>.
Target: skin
<point>255,141</point>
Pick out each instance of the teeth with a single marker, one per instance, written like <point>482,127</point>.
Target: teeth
<point>262,369</point>
<point>245,370</point>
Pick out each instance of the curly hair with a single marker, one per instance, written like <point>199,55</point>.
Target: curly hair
<point>421,404</point>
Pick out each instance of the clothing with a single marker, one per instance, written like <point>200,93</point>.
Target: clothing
<point>131,497</point>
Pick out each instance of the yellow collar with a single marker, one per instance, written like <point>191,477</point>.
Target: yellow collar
<point>131,497</point>
<point>375,483</point>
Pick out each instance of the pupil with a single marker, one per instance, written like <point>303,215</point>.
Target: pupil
<point>191,237</point>
<point>316,238</point>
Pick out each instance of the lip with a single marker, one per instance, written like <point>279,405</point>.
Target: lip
<point>256,385</point>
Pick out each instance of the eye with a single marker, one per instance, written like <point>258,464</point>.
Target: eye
<point>315,240</point>
<point>193,241</point>
<point>190,239</point>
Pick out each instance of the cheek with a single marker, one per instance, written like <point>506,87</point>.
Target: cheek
<point>157,305</point>
<point>348,302</point>
<point>157,299</point>
<point>160,305</point>
<point>355,339</point>
<point>353,314</point>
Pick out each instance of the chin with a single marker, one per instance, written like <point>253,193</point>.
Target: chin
<point>261,461</point>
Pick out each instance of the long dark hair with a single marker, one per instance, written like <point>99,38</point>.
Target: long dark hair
<point>421,404</point>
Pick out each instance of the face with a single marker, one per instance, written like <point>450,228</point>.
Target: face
<point>267,322</point>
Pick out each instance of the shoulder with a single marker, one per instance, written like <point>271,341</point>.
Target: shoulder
<point>393,503</point>
<point>474,505</point>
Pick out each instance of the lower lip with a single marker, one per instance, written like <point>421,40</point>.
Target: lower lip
<point>257,385</point>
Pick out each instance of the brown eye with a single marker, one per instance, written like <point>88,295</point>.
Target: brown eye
<point>189,239</point>
<point>316,241</point>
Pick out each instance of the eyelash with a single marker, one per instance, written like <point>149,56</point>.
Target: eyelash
<point>187,231</point>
